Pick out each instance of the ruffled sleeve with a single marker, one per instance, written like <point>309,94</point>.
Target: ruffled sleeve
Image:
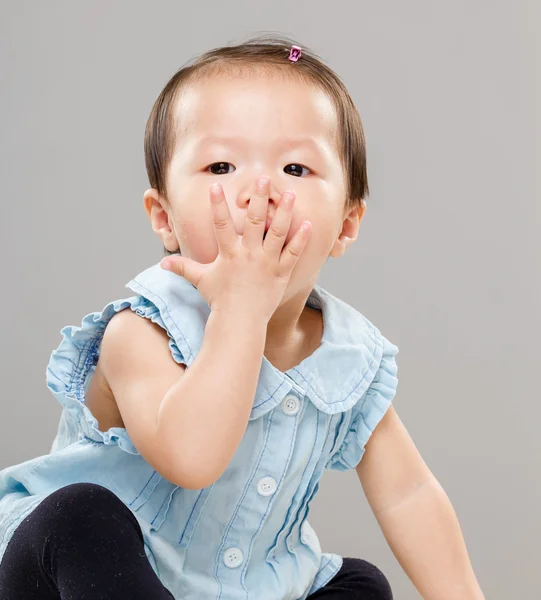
<point>368,412</point>
<point>72,363</point>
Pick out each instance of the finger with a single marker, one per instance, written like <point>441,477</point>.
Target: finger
<point>294,248</point>
<point>224,229</point>
<point>184,267</point>
<point>278,230</point>
<point>256,216</point>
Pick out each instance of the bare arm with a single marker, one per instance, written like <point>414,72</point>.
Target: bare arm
<point>415,515</point>
<point>204,415</point>
<point>424,535</point>
<point>186,423</point>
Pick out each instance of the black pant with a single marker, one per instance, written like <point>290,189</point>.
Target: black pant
<point>83,542</point>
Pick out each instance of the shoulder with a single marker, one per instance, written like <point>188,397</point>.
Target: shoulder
<point>126,326</point>
<point>130,340</point>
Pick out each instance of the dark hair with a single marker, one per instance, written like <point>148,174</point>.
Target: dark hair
<point>262,54</point>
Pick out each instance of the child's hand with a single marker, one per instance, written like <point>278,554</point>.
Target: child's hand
<point>248,277</point>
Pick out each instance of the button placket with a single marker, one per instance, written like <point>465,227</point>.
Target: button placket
<point>266,486</point>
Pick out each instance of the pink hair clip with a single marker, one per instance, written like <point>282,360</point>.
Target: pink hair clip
<point>295,53</point>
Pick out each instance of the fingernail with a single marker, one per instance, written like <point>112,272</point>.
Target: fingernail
<point>263,181</point>
<point>288,198</point>
<point>165,264</point>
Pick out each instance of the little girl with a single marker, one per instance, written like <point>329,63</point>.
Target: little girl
<point>197,424</point>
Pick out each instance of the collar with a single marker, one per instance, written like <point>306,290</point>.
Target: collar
<point>333,377</point>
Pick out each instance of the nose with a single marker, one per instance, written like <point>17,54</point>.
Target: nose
<point>242,196</point>
<point>248,188</point>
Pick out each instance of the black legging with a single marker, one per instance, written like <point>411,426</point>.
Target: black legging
<point>83,542</point>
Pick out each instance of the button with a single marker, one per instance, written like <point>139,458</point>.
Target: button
<point>266,486</point>
<point>291,405</point>
<point>233,557</point>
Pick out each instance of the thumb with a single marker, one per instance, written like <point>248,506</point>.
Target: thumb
<point>183,267</point>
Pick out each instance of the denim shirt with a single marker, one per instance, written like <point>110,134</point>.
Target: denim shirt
<point>246,536</point>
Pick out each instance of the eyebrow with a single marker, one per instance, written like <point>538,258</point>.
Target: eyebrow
<point>286,142</point>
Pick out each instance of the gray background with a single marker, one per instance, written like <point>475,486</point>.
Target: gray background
<point>446,264</point>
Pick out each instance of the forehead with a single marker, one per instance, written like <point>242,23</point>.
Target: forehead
<point>265,110</point>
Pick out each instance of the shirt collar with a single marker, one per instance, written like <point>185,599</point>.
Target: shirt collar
<point>333,377</point>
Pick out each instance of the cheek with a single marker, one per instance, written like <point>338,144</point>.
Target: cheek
<point>321,236</point>
<point>197,241</point>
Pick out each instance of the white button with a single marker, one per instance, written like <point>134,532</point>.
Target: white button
<point>291,405</point>
<point>266,486</point>
<point>233,557</point>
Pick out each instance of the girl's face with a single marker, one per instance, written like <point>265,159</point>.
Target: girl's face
<point>232,131</point>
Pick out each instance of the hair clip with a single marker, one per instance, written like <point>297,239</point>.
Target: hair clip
<point>295,53</point>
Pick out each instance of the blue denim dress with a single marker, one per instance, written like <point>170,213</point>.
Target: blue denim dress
<point>247,535</point>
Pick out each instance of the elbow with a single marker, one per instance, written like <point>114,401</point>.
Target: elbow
<point>194,481</point>
<point>195,475</point>
<point>186,466</point>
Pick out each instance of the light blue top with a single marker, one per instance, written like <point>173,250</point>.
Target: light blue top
<point>246,536</point>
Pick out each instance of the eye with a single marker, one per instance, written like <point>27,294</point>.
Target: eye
<point>217,168</point>
<point>220,166</point>
<point>298,168</point>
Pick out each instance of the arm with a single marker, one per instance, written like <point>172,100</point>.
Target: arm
<point>205,413</point>
<point>415,515</point>
<point>185,422</point>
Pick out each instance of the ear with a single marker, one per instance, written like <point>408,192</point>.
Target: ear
<point>158,211</point>
<point>350,229</point>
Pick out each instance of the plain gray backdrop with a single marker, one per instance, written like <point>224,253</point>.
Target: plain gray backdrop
<point>447,261</point>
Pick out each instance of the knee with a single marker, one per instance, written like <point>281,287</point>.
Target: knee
<point>372,578</point>
<point>79,504</point>
<point>81,495</point>
<point>78,507</point>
